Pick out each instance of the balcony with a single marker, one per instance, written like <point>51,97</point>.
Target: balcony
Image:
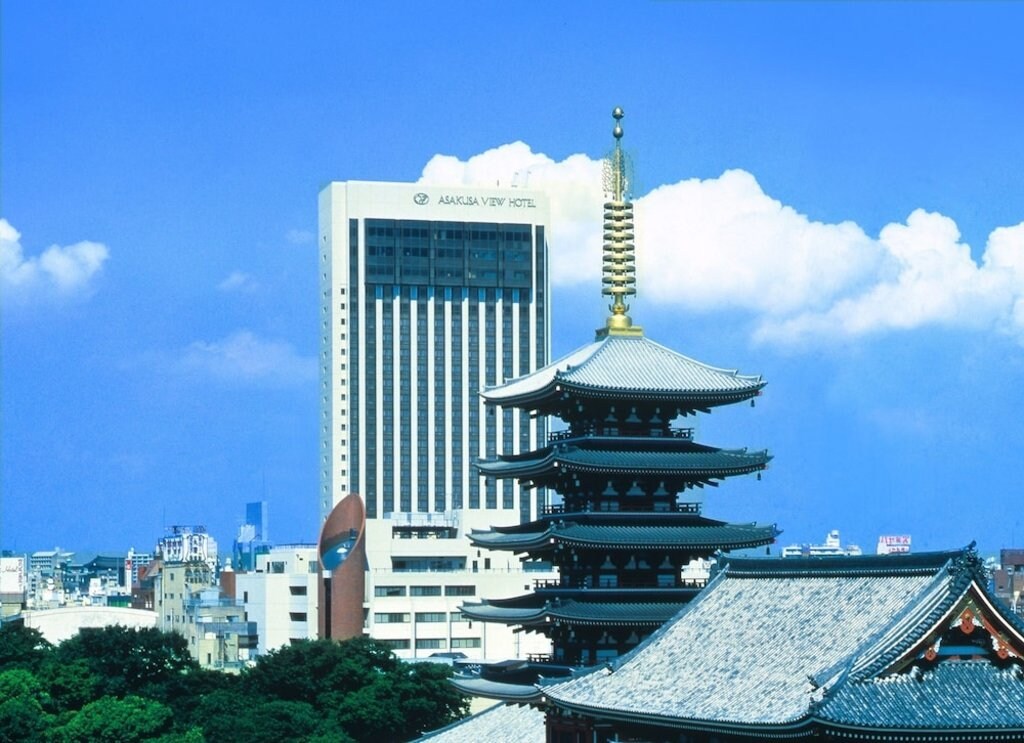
<point>555,510</point>
<point>621,431</point>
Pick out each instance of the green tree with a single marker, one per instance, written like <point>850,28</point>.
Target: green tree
<point>129,660</point>
<point>234,717</point>
<point>112,720</point>
<point>22,720</point>
<point>22,647</point>
<point>22,716</point>
<point>361,687</point>
<point>71,685</point>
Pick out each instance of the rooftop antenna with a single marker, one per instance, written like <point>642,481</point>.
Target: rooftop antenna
<point>619,260</point>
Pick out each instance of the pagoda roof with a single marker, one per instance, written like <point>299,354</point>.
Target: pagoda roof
<point>573,611</point>
<point>817,643</point>
<point>693,537</point>
<point>670,457</point>
<point>615,366</point>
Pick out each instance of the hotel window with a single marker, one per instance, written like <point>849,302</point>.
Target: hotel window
<point>430,616</point>
<point>391,618</point>
<point>431,644</point>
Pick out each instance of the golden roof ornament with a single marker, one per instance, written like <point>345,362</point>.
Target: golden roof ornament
<point>618,275</point>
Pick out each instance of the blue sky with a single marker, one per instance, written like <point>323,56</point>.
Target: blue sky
<point>827,194</point>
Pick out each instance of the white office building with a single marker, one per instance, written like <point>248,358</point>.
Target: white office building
<point>280,596</point>
<point>428,295</point>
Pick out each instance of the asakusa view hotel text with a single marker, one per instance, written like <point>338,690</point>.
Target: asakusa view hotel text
<point>428,295</point>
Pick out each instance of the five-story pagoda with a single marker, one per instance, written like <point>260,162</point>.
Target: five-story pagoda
<point>624,533</point>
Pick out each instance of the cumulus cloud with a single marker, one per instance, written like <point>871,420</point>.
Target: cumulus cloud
<point>245,357</point>
<point>57,271</point>
<point>238,281</point>
<point>573,186</point>
<point>724,244</point>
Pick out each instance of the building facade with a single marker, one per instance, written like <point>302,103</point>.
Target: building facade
<point>428,295</point>
<point>1008,579</point>
<point>280,595</point>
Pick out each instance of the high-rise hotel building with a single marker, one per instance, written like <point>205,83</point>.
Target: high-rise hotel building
<point>428,295</point>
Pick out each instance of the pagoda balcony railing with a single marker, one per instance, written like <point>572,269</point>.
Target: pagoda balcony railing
<point>554,510</point>
<point>675,433</point>
<point>579,584</point>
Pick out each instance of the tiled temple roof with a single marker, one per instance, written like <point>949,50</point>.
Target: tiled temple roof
<point>955,695</point>
<point>617,366</point>
<point>775,643</point>
<point>684,537</point>
<point>509,723</point>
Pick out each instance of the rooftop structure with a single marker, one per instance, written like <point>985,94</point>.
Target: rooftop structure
<point>897,647</point>
<point>625,533</point>
<point>832,547</point>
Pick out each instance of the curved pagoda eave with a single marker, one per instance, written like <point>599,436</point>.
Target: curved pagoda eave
<point>627,368</point>
<point>700,540</point>
<point>544,465</point>
<point>541,595</point>
<point>626,614</point>
<point>479,687</point>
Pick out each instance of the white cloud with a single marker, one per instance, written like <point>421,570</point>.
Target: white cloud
<point>574,191</point>
<point>238,281</point>
<point>245,357</point>
<point>927,277</point>
<point>722,243</point>
<point>57,271</point>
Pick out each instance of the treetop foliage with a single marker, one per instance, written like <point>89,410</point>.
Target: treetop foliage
<point>120,684</point>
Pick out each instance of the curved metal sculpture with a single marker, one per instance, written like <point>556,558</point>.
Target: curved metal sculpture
<point>342,553</point>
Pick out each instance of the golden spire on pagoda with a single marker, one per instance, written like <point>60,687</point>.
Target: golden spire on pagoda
<point>619,270</point>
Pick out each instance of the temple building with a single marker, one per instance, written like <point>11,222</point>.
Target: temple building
<point>898,647</point>
<point>907,647</point>
<point>625,533</point>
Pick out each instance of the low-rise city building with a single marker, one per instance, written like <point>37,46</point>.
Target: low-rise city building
<point>832,547</point>
<point>279,595</point>
<point>1008,578</point>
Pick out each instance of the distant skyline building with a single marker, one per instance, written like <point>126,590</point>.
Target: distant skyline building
<point>252,539</point>
<point>187,544</point>
<point>832,547</point>
<point>257,517</point>
<point>428,295</point>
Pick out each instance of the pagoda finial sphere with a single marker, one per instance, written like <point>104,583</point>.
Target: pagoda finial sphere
<point>617,113</point>
<point>617,132</point>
